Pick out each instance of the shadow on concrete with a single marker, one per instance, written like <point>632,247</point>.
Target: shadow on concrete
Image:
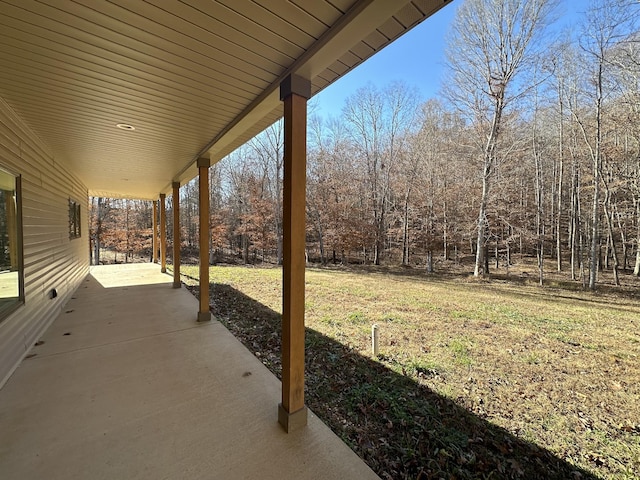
<point>402,429</point>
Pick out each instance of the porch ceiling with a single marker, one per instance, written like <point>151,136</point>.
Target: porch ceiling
<point>194,77</point>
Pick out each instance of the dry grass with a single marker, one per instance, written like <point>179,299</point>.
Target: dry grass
<point>555,367</point>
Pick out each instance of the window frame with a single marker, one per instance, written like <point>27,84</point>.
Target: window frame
<point>20,300</point>
<point>75,223</point>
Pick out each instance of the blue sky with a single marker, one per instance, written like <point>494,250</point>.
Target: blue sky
<point>397,61</point>
<point>416,58</point>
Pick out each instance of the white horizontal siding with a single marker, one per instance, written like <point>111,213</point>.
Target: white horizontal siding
<point>51,260</point>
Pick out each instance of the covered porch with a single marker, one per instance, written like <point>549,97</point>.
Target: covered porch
<point>127,385</point>
<point>132,100</point>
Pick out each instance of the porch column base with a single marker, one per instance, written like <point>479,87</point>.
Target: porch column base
<point>292,421</point>
<point>204,317</point>
<point>177,285</point>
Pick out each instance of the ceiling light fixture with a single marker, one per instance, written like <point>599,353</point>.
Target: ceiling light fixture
<point>125,126</point>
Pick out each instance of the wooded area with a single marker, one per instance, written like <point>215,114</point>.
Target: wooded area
<point>533,147</point>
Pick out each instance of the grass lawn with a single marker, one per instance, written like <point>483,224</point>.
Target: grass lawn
<point>475,379</point>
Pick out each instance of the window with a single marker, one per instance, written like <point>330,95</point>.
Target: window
<point>74,219</point>
<point>11,274</point>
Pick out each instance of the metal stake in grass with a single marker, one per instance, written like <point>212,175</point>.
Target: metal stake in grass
<point>374,340</point>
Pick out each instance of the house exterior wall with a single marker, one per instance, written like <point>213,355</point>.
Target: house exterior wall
<point>51,259</point>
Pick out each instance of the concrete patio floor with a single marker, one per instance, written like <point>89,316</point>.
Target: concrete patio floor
<point>128,386</point>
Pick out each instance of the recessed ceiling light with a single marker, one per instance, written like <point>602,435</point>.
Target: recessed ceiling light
<point>125,126</point>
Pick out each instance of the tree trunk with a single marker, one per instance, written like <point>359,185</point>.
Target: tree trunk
<point>445,245</point>
<point>485,256</point>
<point>623,238</point>
<point>597,168</point>
<point>482,221</point>
<point>96,243</point>
<point>559,215</point>
<point>323,259</point>
<point>575,219</point>
<point>560,178</point>
<point>541,262</point>
<point>245,249</point>
<point>126,232</point>
<point>379,244</point>
<point>405,229</point>
<point>279,244</point>
<point>636,268</point>
<point>614,253</point>
<point>489,152</point>
<point>581,242</point>
<point>96,251</point>
<point>595,236</point>
<point>539,214</point>
<point>279,212</point>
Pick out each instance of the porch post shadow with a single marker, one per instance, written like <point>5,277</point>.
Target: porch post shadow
<point>163,233</point>
<point>176,234</point>
<point>154,227</point>
<point>204,315</point>
<point>294,91</point>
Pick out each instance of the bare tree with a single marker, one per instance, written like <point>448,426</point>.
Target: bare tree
<point>100,212</point>
<point>537,153</point>
<point>490,44</point>
<point>379,123</point>
<point>237,171</point>
<point>558,65</point>
<point>268,147</point>
<point>626,60</point>
<point>328,184</point>
<point>608,24</point>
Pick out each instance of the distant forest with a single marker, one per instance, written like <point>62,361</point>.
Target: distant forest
<point>531,148</point>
